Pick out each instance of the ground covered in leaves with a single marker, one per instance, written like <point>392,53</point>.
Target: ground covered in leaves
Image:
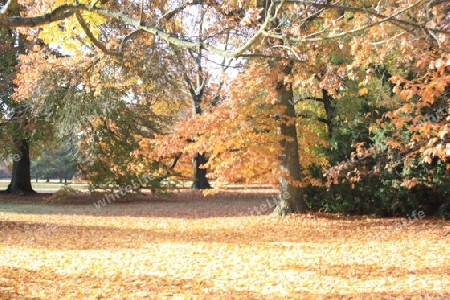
<point>225,246</point>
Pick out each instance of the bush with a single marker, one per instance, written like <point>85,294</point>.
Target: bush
<point>382,195</point>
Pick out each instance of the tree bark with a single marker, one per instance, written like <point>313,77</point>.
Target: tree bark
<point>291,196</point>
<point>197,89</point>
<point>21,175</point>
<point>200,181</point>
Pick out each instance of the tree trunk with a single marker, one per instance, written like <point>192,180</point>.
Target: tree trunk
<point>291,196</point>
<point>328,106</point>
<point>21,175</point>
<point>200,181</point>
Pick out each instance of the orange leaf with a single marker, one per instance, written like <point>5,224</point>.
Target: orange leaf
<point>363,91</point>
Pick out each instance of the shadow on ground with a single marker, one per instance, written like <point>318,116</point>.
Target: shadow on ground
<point>186,204</point>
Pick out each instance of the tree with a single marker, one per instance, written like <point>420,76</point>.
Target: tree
<point>113,118</point>
<point>58,162</point>
<point>369,17</point>
<point>21,176</point>
<point>276,30</point>
<point>203,96</point>
<point>291,199</point>
<point>390,171</point>
<point>15,116</point>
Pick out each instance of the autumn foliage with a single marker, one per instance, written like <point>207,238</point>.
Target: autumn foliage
<point>367,85</point>
<point>216,247</point>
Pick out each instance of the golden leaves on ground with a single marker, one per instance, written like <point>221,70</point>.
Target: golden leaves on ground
<point>194,247</point>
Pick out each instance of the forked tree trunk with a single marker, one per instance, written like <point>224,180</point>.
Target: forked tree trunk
<point>21,175</point>
<point>199,180</point>
<point>291,196</point>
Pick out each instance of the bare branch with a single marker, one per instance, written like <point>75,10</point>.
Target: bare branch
<point>289,49</point>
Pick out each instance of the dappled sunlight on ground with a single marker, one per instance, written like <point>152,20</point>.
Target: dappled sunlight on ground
<point>211,248</point>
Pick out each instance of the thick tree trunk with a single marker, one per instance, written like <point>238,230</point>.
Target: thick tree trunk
<point>200,181</point>
<point>21,175</point>
<point>291,196</point>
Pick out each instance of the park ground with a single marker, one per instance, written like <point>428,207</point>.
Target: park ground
<point>222,246</point>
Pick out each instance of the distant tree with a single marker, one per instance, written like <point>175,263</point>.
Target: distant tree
<point>57,162</point>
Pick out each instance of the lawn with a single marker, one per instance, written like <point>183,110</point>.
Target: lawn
<point>217,247</point>
<point>45,187</point>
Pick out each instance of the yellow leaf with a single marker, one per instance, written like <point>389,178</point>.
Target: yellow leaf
<point>363,91</point>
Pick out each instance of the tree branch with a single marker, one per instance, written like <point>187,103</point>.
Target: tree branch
<point>369,11</point>
<point>261,29</point>
<point>66,10</point>
<point>98,44</point>
<point>168,15</point>
<point>307,98</point>
<point>349,32</point>
<point>92,38</point>
<point>59,13</point>
<point>322,120</point>
<point>325,5</point>
<point>9,6</point>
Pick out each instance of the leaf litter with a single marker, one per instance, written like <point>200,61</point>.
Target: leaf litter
<point>193,247</point>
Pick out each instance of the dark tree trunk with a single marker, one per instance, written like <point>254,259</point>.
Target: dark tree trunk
<point>291,196</point>
<point>21,175</point>
<point>200,181</point>
<point>196,88</point>
<point>326,98</point>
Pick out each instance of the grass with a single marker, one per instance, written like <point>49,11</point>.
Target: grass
<point>187,246</point>
<point>44,187</point>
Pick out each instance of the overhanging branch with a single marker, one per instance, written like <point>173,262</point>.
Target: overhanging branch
<point>369,11</point>
<point>60,13</point>
<point>66,10</point>
<point>348,32</point>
